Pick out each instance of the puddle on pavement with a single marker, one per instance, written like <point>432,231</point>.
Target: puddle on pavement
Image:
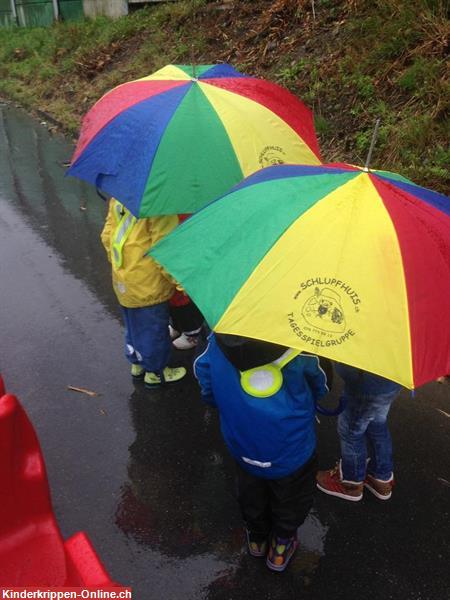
<point>311,537</point>
<point>66,213</point>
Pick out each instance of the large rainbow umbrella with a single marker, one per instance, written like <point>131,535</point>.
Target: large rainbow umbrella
<point>346,263</point>
<point>171,142</point>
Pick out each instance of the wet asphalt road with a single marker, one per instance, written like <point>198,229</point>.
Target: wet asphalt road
<point>145,474</point>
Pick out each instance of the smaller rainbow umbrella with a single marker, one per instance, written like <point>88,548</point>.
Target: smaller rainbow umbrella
<point>350,264</point>
<point>173,141</point>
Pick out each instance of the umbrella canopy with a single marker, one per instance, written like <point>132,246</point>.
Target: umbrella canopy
<point>349,264</point>
<point>171,142</point>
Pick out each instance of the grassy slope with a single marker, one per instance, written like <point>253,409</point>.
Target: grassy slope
<point>356,60</point>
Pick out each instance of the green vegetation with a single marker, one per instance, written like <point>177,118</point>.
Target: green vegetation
<point>351,61</point>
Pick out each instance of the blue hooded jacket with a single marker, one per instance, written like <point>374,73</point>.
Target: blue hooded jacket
<point>269,437</point>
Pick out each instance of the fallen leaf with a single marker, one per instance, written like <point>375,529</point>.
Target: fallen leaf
<point>444,481</point>
<point>82,390</point>
<point>443,412</point>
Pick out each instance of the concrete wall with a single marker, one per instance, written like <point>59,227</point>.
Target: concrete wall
<point>110,8</point>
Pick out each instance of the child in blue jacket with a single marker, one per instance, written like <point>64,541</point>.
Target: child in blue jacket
<point>266,398</point>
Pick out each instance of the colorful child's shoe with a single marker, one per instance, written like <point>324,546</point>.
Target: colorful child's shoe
<point>280,552</point>
<point>382,489</point>
<point>137,371</point>
<point>331,482</point>
<point>169,375</point>
<point>258,549</point>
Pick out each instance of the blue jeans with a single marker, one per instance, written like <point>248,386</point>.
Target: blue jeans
<point>364,433</point>
<point>147,339</point>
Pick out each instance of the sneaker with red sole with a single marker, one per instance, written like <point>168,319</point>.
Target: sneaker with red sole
<point>332,483</point>
<point>380,488</point>
<point>281,550</point>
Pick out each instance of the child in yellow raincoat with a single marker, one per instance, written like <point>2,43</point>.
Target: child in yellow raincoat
<point>143,291</point>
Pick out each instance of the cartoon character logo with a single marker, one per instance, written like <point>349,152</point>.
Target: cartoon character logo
<point>323,310</point>
<point>272,155</point>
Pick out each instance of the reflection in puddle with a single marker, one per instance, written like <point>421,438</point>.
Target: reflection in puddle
<point>178,491</point>
<point>311,536</point>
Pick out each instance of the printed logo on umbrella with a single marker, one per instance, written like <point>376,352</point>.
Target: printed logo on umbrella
<point>324,311</point>
<point>321,319</point>
<point>272,155</point>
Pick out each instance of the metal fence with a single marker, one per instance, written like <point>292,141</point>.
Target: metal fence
<point>38,13</point>
<point>7,17</point>
<point>42,13</point>
<point>71,10</point>
<point>34,13</point>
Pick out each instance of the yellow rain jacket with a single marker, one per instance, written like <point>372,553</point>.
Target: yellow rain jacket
<point>138,280</point>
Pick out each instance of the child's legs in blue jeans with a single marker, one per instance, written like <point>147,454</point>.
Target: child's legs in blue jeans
<point>147,339</point>
<point>365,420</point>
<point>379,439</point>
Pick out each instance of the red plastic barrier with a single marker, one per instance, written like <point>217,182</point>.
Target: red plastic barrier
<point>32,550</point>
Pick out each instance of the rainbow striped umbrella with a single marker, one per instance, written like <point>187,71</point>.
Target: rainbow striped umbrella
<point>171,142</point>
<point>331,259</point>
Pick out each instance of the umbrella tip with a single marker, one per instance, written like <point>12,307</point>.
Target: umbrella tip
<point>372,144</point>
<point>194,73</point>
